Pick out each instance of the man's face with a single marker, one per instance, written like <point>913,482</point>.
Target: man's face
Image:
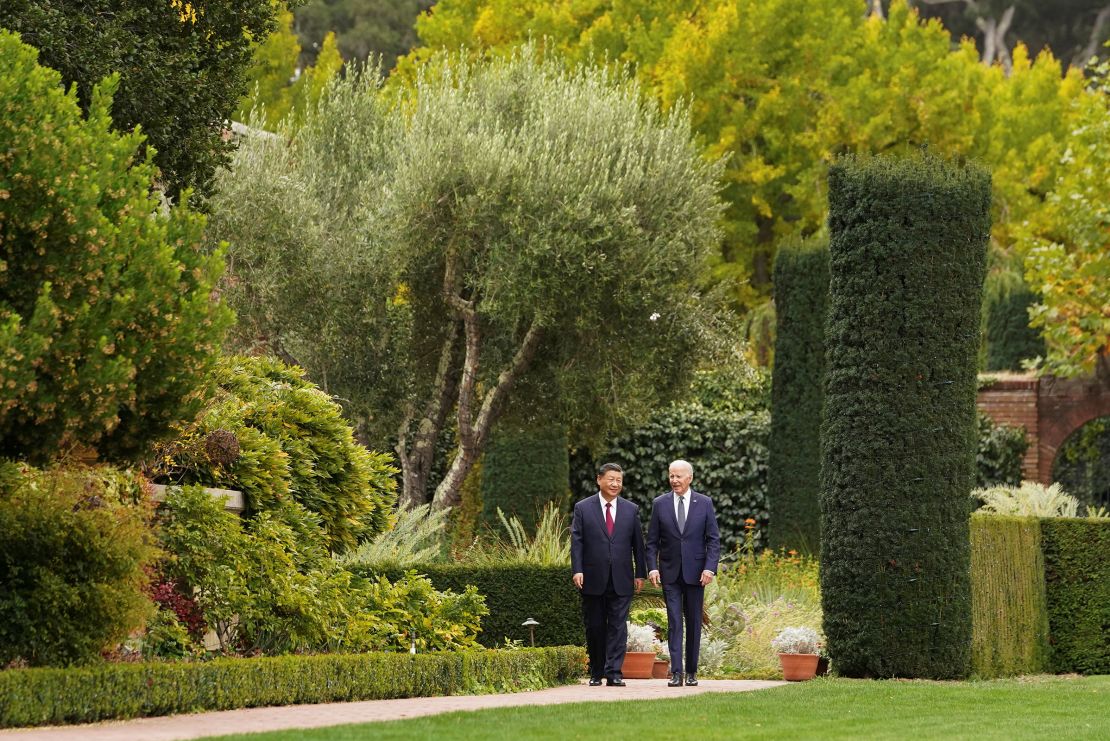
<point>610,483</point>
<point>680,479</point>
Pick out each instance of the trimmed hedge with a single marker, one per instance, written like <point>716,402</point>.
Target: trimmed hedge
<point>793,478</point>
<point>908,244</point>
<point>1077,584</point>
<point>85,695</point>
<point>522,471</point>
<point>514,593</point>
<point>1008,610</point>
<point>1008,337</point>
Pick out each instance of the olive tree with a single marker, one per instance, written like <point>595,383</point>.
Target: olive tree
<point>503,227</point>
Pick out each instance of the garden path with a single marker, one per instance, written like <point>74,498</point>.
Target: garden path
<point>251,720</point>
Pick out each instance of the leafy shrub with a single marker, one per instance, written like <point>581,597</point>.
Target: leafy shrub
<point>416,536</point>
<point>796,640</point>
<point>550,546</point>
<point>107,329</point>
<point>999,453</point>
<point>514,592</point>
<point>1077,592</point>
<point>640,638</point>
<point>1008,338</point>
<point>1031,499</point>
<point>85,695</point>
<point>294,446</point>
<point>72,555</point>
<point>523,470</point>
<point>260,589</point>
<point>1082,463</point>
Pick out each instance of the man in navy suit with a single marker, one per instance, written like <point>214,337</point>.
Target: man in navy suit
<point>683,548</point>
<point>605,538</point>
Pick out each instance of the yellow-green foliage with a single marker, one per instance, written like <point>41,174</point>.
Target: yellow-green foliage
<point>1008,610</point>
<point>74,544</point>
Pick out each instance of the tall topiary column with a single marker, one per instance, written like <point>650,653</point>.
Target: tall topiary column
<point>907,261</point>
<point>801,302</point>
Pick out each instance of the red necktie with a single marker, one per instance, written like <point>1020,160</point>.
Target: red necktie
<point>609,519</point>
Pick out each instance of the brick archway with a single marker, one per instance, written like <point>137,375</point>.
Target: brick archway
<point>1050,409</point>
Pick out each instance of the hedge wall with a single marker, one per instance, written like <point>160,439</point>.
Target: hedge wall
<point>908,241</point>
<point>801,300</point>
<point>514,593</point>
<point>522,471</point>
<point>85,695</point>
<point>1077,584</point>
<point>1008,610</point>
<point>1008,337</point>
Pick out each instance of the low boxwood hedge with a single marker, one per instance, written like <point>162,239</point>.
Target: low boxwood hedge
<point>514,593</point>
<point>87,694</point>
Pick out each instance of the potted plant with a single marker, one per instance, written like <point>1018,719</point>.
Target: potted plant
<point>661,667</point>
<point>640,652</point>
<point>797,649</point>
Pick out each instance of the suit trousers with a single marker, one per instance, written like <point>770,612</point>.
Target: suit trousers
<point>605,617</point>
<point>683,601</point>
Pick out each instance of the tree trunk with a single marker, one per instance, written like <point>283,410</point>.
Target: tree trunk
<point>474,432</point>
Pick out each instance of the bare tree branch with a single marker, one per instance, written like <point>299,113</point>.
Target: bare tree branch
<point>1093,41</point>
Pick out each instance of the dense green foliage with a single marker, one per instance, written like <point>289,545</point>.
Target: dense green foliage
<point>908,242</point>
<point>510,225</point>
<point>181,65</point>
<point>801,302</point>
<point>1008,611</point>
<point>51,697</point>
<point>514,592</point>
<point>1008,339</point>
<point>295,451</point>
<point>72,555</point>
<point>107,327</point>
<point>262,587</point>
<point>523,470</point>
<point>365,29</point>
<point>999,453</point>
<point>1077,584</point>
<point>1082,464</point>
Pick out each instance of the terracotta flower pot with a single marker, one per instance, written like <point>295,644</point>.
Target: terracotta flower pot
<point>637,664</point>
<point>798,667</point>
<point>661,669</point>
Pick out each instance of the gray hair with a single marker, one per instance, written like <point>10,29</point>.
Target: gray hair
<point>682,464</point>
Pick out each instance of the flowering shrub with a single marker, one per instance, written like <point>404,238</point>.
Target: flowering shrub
<point>798,640</point>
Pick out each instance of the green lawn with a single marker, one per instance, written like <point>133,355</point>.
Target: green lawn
<point>1037,707</point>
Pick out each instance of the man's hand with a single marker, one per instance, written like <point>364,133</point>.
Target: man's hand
<point>706,577</point>
<point>577,579</point>
<point>653,577</point>
<point>639,585</point>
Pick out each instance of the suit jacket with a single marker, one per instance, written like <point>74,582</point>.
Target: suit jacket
<point>597,556</point>
<point>682,556</point>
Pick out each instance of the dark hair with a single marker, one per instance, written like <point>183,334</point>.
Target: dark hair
<point>607,467</point>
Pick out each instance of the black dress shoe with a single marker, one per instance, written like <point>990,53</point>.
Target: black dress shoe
<point>676,680</point>
<point>691,680</point>
<point>595,681</point>
<point>614,682</point>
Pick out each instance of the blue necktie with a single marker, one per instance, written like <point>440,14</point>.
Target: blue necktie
<point>681,514</point>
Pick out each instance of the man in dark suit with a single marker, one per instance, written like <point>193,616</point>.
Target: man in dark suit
<point>683,548</point>
<point>605,538</point>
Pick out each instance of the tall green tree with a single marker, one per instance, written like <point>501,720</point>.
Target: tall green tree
<point>182,67</point>
<point>510,225</point>
<point>108,327</point>
<point>366,30</point>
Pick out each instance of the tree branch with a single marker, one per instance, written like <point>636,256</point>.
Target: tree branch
<point>1091,49</point>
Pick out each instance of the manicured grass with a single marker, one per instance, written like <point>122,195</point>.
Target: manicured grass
<point>1029,708</point>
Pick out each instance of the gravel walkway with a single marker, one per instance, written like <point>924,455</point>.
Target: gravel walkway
<point>253,720</point>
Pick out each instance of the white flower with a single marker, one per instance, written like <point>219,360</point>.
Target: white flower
<point>654,316</point>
